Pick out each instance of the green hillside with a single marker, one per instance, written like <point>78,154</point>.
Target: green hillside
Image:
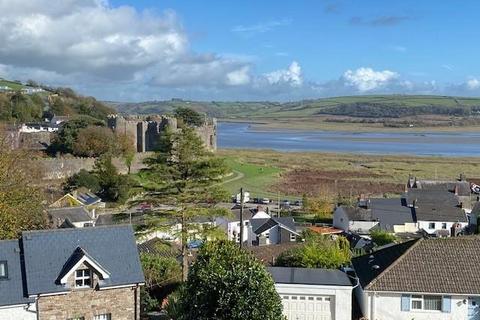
<point>375,106</point>
<point>13,85</point>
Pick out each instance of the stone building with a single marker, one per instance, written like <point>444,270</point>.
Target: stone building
<point>146,130</point>
<point>86,273</point>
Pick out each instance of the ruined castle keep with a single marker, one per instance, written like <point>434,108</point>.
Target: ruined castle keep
<point>146,130</point>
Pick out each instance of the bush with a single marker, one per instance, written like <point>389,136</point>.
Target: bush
<point>317,252</point>
<point>382,238</point>
<point>224,283</point>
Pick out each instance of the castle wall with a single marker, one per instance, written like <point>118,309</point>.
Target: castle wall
<point>147,130</point>
<point>62,168</point>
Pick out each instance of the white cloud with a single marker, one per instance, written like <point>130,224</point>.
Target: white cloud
<point>292,75</point>
<point>367,79</point>
<point>239,77</point>
<point>398,48</point>
<point>473,83</point>
<point>261,27</point>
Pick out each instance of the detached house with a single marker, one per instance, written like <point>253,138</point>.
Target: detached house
<point>86,273</point>
<point>259,228</point>
<point>423,279</point>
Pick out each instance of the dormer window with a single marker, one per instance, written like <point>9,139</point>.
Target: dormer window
<point>83,278</point>
<point>3,270</point>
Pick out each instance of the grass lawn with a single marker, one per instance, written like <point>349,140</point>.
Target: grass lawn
<point>254,178</point>
<point>11,84</point>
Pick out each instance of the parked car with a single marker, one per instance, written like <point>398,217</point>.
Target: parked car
<point>265,201</point>
<point>144,207</point>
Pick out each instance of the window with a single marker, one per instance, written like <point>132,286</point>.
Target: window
<point>83,278</point>
<point>294,297</point>
<point>105,316</point>
<point>3,270</point>
<point>444,225</point>
<point>267,235</point>
<point>246,223</point>
<point>76,318</point>
<point>302,298</point>
<point>426,302</point>
<point>310,298</point>
<point>431,225</point>
<point>417,303</point>
<point>293,237</point>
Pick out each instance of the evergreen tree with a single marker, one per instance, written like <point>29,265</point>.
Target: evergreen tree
<point>185,175</point>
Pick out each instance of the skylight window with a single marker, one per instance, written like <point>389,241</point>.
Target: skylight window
<point>3,270</point>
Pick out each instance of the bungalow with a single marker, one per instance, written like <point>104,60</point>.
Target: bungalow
<point>80,197</point>
<point>421,279</point>
<point>86,273</point>
<point>70,217</point>
<point>313,293</point>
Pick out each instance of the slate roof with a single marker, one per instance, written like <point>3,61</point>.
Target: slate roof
<point>357,214</point>
<point>390,212</point>
<point>437,197</point>
<point>262,225</point>
<point>309,276</point>
<point>433,212</point>
<point>46,252</point>
<point>12,289</point>
<point>438,265</point>
<point>74,214</point>
<point>463,187</point>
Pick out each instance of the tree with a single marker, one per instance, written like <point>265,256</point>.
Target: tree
<point>159,271</point>
<point>227,282</point>
<point>66,137</point>
<point>20,199</point>
<point>94,141</point>
<point>184,174</point>
<point>113,186</point>
<point>321,206</point>
<point>381,238</point>
<point>82,179</point>
<point>317,252</point>
<point>126,149</point>
<point>189,116</point>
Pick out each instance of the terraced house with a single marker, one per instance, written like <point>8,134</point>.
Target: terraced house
<point>87,273</point>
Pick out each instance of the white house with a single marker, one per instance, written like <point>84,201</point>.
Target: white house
<point>421,279</point>
<point>13,303</point>
<point>313,294</point>
<point>434,212</point>
<point>259,228</point>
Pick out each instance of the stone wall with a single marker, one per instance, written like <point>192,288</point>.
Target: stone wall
<point>61,168</point>
<point>121,303</point>
<point>146,130</point>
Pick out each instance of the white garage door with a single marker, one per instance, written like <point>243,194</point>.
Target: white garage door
<point>304,307</point>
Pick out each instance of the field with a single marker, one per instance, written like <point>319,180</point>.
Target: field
<point>11,84</point>
<point>293,174</point>
<point>359,113</point>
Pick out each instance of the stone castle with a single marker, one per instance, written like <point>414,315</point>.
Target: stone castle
<point>146,130</point>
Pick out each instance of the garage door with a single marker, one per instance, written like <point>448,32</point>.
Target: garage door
<point>304,307</point>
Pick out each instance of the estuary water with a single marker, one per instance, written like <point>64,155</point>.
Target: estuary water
<point>449,144</point>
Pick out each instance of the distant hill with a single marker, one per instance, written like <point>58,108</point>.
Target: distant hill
<point>374,106</point>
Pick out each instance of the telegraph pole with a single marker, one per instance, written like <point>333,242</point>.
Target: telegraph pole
<point>241,217</point>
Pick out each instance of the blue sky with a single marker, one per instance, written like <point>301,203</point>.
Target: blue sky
<point>243,50</point>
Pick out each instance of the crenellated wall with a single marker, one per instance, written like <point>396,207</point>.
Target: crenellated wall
<point>146,130</point>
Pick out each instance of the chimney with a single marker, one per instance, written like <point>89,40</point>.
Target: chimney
<point>462,177</point>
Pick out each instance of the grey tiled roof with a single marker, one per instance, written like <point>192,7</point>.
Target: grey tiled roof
<point>262,225</point>
<point>74,214</point>
<point>440,265</point>
<point>432,212</point>
<point>46,252</point>
<point>357,214</point>
<point>11,289</point>
<point>390,212</point>
<point>309,276</point>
